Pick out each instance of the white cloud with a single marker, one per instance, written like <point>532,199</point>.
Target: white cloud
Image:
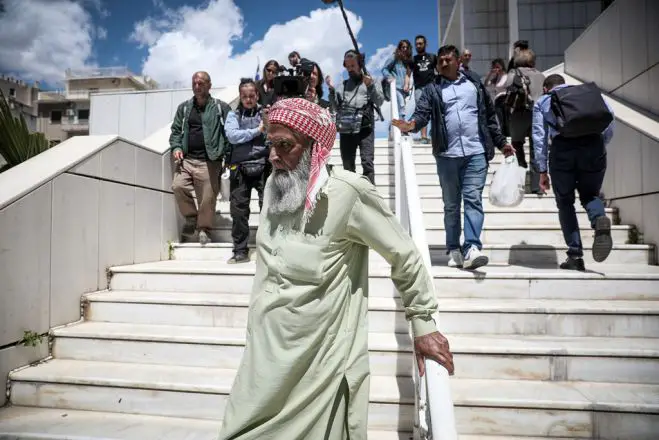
<point>181,41</point>
<point>375,63</point>
<point>101,33</point>
<point>42,38</point>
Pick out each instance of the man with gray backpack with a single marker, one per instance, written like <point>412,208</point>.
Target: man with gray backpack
<point>579,124</point>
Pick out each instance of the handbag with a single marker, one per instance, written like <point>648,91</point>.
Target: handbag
<point>349,120</point>
<point>252,169</point>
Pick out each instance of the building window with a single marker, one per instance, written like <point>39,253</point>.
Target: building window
<point>83,114</point>
<point>56,116</point>
<point>12,93</point>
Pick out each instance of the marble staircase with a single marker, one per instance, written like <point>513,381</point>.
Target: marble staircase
<point>540,353</point>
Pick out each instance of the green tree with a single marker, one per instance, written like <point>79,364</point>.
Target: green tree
<point>17,144</point>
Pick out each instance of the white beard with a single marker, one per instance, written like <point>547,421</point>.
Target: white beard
<point>287,190</point>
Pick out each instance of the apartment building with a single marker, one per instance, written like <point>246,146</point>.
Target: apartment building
<point>22,98</point>
<point>65,113</point>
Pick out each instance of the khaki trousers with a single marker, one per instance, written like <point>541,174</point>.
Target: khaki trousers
<point>202,177</point>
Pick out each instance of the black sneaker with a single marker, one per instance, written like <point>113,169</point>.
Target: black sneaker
<point>238,258</point>
<point>573,264</point>
<point>603,243</point>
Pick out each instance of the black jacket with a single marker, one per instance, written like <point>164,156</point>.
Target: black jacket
<point>431,108</point>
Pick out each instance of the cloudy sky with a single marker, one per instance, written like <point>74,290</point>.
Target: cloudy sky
<point>170,39</point>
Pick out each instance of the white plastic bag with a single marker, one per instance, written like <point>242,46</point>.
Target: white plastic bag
<point>225,184</point>
<point>508,184</point>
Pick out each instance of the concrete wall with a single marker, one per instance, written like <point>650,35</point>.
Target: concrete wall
<point>486,32</point>
<point>66,216</point>
<point>551,26</point>
<point>134,115</point>
<point>620,52</point>
<point>445,9</point>
<point>632,181</point>
<point>137,115</point>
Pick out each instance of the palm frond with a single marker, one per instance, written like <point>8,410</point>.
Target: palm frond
<point>17,144</point>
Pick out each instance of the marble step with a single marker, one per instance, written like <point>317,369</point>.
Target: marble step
<point>532,255</point>
<point>33,423</point>
<point>602,282</point>
<point>574,318</point>
<point>518,357</point>
<point>429,202</point>
<point>504,407</point>
<point>545,235</point>
<point>434,217</point>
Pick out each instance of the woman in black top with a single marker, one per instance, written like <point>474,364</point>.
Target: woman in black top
<point>266,85</point>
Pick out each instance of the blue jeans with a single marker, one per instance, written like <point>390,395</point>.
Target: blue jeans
<point>463,178</point>
<point>577,164</point>
<point>400,97</point>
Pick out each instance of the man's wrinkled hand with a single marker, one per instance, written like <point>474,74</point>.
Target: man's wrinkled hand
<point>403,125</point>
<point>433,346</point>
<point>508,150</point>
<point>178,155</point>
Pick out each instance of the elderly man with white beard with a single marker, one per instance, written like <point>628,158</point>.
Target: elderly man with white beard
<point>305,370</point>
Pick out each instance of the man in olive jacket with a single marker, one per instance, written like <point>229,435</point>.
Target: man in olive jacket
<point>198,143</point>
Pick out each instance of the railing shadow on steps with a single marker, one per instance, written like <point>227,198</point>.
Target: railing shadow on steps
<point>434,414</point>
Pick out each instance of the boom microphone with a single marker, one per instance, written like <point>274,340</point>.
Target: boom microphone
<point>352,36</point>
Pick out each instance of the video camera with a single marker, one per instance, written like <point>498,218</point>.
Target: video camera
<point>293,82</point>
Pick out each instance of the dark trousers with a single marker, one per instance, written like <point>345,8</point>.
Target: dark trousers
<point>577,164</point>
<point>241,193</point>
<point>366,142</point>
<point>520,129</point>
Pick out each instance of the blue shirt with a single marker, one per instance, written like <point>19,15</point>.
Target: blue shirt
<point>460,99</point>
<point>542,132</point>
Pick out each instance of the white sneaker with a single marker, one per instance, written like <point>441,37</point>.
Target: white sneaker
<point>456,259</point>
<point>475,259</point>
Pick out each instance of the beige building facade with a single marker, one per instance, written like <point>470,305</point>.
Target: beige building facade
<point>65,113</point>
<point>22,98</point>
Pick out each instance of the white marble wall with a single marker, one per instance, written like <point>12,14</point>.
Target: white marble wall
<point>137,115</point>
<point>551,26</point>
<point>620,52</point>
<point>486,32</point>
<point>58,240</point>
<point>631,177</point>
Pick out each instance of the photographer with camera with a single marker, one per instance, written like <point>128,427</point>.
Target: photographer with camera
<point>247,162</point>
<point>355,102</point>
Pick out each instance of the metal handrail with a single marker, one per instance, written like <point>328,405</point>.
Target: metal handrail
<point>434,415</point>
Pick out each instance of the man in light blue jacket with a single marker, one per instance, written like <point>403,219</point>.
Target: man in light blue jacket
<point>575,163</point>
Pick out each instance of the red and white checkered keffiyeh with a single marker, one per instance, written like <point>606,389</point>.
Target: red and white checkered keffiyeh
<point>311,120</point>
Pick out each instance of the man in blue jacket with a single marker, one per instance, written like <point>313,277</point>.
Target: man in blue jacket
<point>464,134</point>
<point>574,163</point>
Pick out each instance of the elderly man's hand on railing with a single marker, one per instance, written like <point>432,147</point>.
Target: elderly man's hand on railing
<point>433,346</point>
<point>403,125</point>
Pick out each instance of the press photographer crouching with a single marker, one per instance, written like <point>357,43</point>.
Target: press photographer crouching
<point>355,101</point>
<point>247,162</point>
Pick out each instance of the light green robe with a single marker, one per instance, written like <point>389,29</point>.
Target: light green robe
<point>305,371</point>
